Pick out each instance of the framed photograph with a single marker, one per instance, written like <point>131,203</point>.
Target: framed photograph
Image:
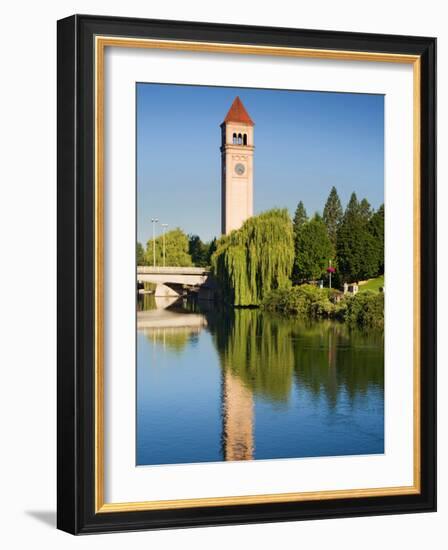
<point>246,274</point>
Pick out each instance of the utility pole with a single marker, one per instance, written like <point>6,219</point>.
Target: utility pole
<point>154,221</point>
<point>164,226</point>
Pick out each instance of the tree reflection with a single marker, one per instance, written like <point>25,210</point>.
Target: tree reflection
<point>268,353</point>
<point>172,339</point>
<point>333,360</point>
<point>266,359</point>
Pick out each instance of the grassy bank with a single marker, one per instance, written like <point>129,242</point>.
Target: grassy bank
<point>366,309</point>
<point>373,284</point>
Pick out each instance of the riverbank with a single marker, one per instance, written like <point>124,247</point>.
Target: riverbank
<point>365,310</point>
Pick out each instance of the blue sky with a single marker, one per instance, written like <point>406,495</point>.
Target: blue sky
<point>305,142</point>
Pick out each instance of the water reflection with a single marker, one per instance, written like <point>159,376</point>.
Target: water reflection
<point>257,348</point>
<point>253,385</point>
<point>237,418</point>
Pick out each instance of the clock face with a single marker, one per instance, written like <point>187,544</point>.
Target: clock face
<point>240,169</point>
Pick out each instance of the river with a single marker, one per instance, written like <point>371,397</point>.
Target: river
<point>245,384</point>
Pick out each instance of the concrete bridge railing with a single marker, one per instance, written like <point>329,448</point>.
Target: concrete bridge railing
<point>170,281</point>
<point>145,269</point>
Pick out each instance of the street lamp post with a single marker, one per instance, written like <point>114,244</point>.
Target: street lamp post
<point>154,221</point>
<point>164,226</point>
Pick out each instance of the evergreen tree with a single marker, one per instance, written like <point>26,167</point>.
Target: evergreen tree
<point>352,210</point>
<point>347,249</point>
<point>365,210</point>
<point>376,228</point>
<point>300,217</point>
<point>313,250</point>
<point>333,214</point>
<point>356,247</point>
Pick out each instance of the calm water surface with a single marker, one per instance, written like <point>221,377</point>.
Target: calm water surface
<point>243,384</point>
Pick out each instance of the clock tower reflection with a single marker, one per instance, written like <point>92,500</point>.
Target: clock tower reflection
<point>238,418</point>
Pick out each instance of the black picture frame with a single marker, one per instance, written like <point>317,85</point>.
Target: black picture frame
<point>76,254</point>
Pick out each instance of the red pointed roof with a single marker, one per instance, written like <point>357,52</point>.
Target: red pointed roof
<point>238,113</point>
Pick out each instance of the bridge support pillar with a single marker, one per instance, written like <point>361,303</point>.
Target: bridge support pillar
<point>164,291</point>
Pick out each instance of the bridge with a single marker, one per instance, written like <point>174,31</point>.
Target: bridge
<point>173,281</point>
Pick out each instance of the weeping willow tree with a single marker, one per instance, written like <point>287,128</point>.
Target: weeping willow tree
<point>255,259</point>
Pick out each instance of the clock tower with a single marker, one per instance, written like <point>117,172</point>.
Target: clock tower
<point>237,155</point>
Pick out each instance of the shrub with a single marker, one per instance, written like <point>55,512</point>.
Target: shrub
<point>303,301</point>
<point>366,309</point>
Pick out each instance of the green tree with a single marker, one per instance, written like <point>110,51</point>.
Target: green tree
<point>353,210</point>
<point>365,210</point>
<point>200,252</point>
<point>300,217</point>
<point>313,249</point>
<point>333,214</point>
<point>356,248</point>
<point>255,259</point>
<point>140,255</point>
<point>366,309</point>
<point>376,228</point>
<point>210,251</point>
<point>176,249</point>
<point>197,250</point>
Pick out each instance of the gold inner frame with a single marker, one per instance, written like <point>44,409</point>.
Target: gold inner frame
<point>101,42</point>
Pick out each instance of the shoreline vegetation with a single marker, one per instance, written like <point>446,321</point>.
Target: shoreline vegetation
<point>365,309</point>
<point>281,264</point>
